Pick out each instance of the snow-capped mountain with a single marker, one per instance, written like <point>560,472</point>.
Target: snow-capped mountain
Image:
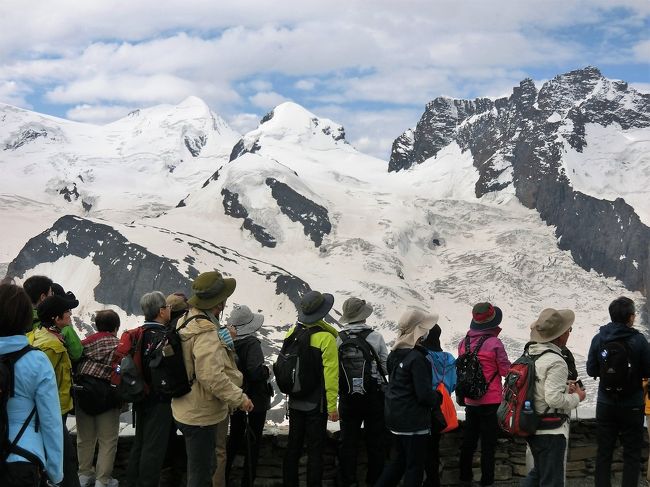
<point>291,206</point>
<point>135,167</point>
<point>577,151</point>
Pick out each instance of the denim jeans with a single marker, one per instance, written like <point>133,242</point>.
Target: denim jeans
<point>548,457</point>
<point>612,422</point>
<point>310,426</point>
<point>408,462</point>
<point>480,422</point>
<point>200,444</point>
<point>369,410</point>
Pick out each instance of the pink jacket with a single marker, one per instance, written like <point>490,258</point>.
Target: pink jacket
<point>494,361</point>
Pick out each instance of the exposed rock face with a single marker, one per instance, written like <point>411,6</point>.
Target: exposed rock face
<point>25,137</point>
<point>127,270</point>
<point>234,208</point>
<point>313,217</point>
<point>520,141</point>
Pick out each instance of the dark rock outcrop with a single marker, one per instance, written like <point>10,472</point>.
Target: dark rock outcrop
<point>235,209</point>
<point>25,137</point>
<point>312,216</point>
<point>127,270</point>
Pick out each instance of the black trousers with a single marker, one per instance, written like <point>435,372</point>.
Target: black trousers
<point>310,426</point>
<point>152,424</point>
<point>70,464</point>
<point>480,423</point>
<point>613,422</point>
<point>200,444</point>
<point>408,462</point>
<point>548,453</point>
<point>238,441</point>
<point>432,459</point>
<point>353,411</point>
<point>20,474</point>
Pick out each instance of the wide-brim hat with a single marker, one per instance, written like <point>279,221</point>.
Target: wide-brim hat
<point>314,306</point>
<point>210,289</point>
<point>354,310</point>
<point>485,316</point>
<point>551,324</point>
<point>244,320</point>
<point>51,307</point>
<point>413,325</point>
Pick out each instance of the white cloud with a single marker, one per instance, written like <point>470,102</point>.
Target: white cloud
<point>243,122</point>
<point>642,87</point>
<point>267,100</point>
<point>305,85</point>
<point>642,51</point>
<point>13,93</point>
<point>98,114</point>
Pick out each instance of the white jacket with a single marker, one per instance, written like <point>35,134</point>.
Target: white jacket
<point>551,390</point>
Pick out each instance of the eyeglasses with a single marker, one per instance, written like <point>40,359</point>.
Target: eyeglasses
<point>169,306</point>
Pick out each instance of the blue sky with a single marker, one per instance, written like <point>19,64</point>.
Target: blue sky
<point>370,65</point>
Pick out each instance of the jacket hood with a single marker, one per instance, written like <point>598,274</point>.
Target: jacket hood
<point>616,331</point>
<point>356,327</point>
<point>324,325</point>
<point>43,339</point>
<point>12,343</point>
<point>490,332</point>
<point>537,348</point>
<point>197,326</point>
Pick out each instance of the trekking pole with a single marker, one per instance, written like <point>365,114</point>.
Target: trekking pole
<point>248,433</point>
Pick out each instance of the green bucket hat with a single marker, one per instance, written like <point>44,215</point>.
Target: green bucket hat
<point>210,289</point>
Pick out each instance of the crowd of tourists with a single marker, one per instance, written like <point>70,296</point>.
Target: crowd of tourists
<point>186,369</point>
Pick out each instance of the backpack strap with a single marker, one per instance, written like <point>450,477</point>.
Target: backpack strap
<point>480,343</point>
<point>12,358</point>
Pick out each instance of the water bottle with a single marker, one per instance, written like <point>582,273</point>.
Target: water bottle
<point>528,409</point>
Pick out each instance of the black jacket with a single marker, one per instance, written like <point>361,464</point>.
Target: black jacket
<point>639,352</point>
<point>410,394</point>
<point>250,361</point>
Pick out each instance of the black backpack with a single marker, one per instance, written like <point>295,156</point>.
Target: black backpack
<point>94,395</point>
<point>166,364</point>
<point>7,362</point>
<point>297,371</point>
<point>615,367</point>
<point>356,356</point>
<point>471,382</point>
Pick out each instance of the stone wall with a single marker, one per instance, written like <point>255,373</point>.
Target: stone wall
<point>510,458</point>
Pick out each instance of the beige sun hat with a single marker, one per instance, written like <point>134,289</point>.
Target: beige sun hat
<point>551,324</point>
<point>413,325</point>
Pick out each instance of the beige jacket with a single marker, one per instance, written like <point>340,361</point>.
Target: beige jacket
<point>551,390</point>
<point>215,378</point>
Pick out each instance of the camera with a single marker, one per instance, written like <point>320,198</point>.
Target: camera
<point>579,383</point>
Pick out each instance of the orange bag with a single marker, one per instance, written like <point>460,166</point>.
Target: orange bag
<point>448,409</point>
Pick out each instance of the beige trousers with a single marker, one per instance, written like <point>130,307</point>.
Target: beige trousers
<point>102,429</point>
<point>219,477</point>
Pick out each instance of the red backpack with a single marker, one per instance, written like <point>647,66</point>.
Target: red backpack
<point>516,413</point>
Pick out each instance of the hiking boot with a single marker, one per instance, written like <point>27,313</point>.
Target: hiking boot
<point>86,480</point>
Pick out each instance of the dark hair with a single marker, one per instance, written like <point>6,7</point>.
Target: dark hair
<point>621,309</point>
<point>16,312</point>
<point>35,286</point>
<point>107,320</point>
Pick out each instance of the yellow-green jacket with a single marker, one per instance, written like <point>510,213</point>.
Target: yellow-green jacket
<point>58,355</point>
<point>325,344</point>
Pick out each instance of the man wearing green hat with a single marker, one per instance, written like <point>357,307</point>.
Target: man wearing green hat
<point>215,378</point>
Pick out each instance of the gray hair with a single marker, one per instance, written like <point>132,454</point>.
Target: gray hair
<point>151,304</point>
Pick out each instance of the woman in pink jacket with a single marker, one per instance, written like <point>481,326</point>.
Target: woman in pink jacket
<point>481,413</point>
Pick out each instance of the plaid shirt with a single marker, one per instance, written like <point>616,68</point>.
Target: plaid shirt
<point>98,355</point>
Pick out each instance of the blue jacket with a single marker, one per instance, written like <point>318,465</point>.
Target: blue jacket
<point>34,384</point>
<point>640,358</point>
